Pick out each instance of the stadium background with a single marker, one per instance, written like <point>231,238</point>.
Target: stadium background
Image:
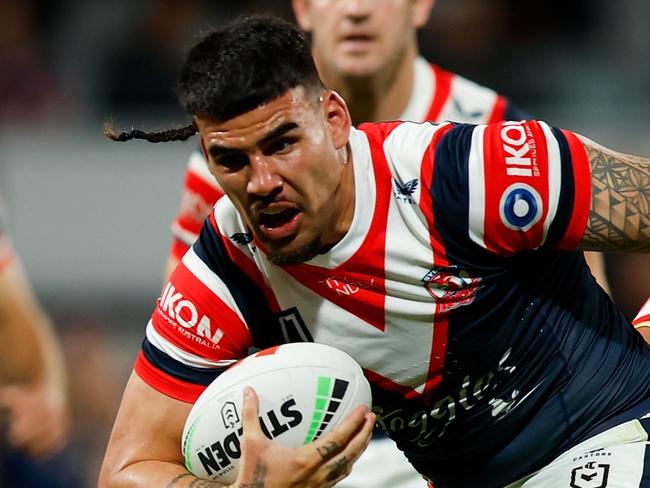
<point>90,218</point>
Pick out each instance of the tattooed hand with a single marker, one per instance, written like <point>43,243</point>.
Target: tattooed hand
<point>322,463</point>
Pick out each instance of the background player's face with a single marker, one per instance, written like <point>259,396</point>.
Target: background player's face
<point>283,165</point>
<point>360,38</point>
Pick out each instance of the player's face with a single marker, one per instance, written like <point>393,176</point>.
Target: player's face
<point>360,38</point>
<point>284,166</point>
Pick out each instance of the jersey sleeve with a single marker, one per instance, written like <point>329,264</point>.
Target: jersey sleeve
<point>200,192</point>
<point>509,187</point>
<point>642,319</point>
<point>201,323</point>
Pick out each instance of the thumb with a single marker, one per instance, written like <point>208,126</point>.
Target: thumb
<point>250,412</point>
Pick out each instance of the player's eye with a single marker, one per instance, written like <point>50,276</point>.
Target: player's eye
<point>232,161</point>
<point>280,146</point>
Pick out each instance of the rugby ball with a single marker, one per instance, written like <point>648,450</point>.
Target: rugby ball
<point>304,389</point>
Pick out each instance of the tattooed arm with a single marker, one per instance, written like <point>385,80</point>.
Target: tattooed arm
<point>619,219</point>
<point>144,448</point>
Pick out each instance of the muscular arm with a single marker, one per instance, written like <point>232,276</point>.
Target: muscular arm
<point>619,219</point>
<point>144,448</point>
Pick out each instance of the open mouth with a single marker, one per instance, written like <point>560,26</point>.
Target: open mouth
<point>275,218</point>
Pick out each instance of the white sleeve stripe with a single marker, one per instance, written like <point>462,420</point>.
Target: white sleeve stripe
<point>180,355</point>
<point>206,276</point>
<point>199,166</point>
<point>476,181</point>
<point>554,177</point>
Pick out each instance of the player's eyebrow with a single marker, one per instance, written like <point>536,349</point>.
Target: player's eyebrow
<point>215,150</point>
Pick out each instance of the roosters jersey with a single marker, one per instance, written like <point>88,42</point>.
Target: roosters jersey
<point>438,95</point>
<point>489,346</point>
<point>642,319</point>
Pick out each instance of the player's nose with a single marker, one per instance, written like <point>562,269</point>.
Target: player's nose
<point>264,179</point>
<point>358,9</point>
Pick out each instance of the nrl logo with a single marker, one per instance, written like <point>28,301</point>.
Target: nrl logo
<point>404,193</point>
<point>451,287</point>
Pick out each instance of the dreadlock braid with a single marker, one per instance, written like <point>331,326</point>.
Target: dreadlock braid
<point>167,135</point>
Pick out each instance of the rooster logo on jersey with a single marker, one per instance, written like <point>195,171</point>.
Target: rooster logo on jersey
<point>451,287</point>
<point>404,193</point>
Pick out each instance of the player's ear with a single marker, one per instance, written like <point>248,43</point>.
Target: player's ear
<point>421,12</point>
<point>337,117</point>
<point>302,13</point>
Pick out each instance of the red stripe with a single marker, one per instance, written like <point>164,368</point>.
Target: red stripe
<point>498,111</point>
<point>582,191</point>
<point>235,339</point>
<point>498,237</point>
<point>196,184</point>
<point>164,383</point>
<point>442,89</point>
<point>363,274</point>
<point>178,249</point>
<point>440,322</point>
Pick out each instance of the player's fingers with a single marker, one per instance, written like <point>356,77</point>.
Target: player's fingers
<point>334,442</point>
<point>340,466</point>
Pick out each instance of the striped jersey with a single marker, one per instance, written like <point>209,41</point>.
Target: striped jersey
<point>489,347</point>
<point>438,95</point>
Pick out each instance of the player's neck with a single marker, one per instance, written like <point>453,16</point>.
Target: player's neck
<point>381,97</point>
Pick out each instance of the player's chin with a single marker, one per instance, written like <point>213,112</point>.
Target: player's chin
<point>293,252</point>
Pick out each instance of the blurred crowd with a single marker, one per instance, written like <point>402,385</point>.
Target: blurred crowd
<point>79,62</point>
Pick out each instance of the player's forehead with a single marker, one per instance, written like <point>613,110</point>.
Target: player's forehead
<point>286,113</point>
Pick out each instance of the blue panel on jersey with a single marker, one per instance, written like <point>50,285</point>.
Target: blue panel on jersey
<point>183,372</point>
<point>567,196</point>
<point>249,297</point>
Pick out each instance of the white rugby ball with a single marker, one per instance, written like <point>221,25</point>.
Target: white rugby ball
<point>304,389</point>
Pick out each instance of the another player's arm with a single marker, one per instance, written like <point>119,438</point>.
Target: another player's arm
<point>619,219</point>
<point>32,367</point>
<point>144,448</point>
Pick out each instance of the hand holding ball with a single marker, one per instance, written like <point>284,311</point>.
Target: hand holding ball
<point>304,391</point>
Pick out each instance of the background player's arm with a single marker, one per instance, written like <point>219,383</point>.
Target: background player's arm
<point>619,219</point>
<point>144,448</point>
<point>32,368</point>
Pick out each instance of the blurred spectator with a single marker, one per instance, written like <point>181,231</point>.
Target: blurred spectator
<point>28,88</point>
<point>141,73</point>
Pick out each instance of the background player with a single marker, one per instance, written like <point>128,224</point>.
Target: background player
<point>519,336</point>
<point>33,387</point>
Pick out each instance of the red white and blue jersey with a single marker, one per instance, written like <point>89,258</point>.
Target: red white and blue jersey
<point>489,346</point>
<point>438,95</point>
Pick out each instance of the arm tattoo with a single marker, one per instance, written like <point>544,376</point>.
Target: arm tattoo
<point>337,468</point>
<point>197,483</point>
<point>179,478</point>
<point>327,449</point>
<point>620,207</point>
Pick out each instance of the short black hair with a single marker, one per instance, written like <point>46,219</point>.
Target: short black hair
<point>245,63</point>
